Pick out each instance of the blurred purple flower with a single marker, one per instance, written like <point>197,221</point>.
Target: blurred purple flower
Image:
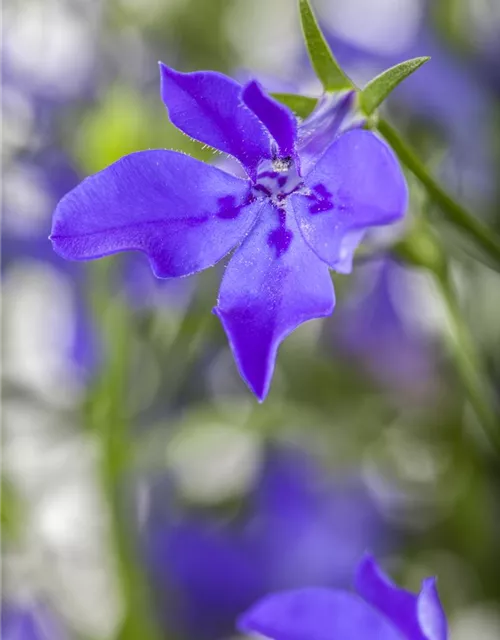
<point>28,623</point>
<point>300,527</point>
<point>49,50</point>
<point>372,327</point>
<point>31,189</point>
<point>311,191</point>
<point>380,611</point>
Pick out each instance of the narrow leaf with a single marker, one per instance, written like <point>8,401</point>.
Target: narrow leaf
<point>377,90</point>
<point>322,59</point>
<point>300,105</point>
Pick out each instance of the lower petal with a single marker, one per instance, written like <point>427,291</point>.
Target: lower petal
<point>273,284</point>
<point>184,214</point>
<point>357,184</point>
<point>316,614</point>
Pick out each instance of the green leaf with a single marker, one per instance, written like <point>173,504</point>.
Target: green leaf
<point>300,105</point>
<point>322,59</point>
<point>377,90</point>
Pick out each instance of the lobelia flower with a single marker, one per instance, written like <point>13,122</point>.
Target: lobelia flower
<point>379,611</point>
<point>312,189</point>
<point>299,527</point>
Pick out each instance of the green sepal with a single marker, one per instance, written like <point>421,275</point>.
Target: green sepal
<point>377,90</point>
<point>323,61</point>
<point>302,106</point>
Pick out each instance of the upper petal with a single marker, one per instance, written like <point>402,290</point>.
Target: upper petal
<point>184,214</point>
<point>279,121</point>
<point>273,284</point>
<point>417,617</point>
<point>207,106</point>
<point>316,614</point>
<point>334,114</point>
<point>356,184</point>
<point>430,613</point>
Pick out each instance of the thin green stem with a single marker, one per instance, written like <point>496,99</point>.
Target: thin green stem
<point>452,210</point>
<point>107,413</point>
<point>192,330</point>
<point>467,361</point>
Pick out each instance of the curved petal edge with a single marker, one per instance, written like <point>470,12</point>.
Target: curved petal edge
<point>146,202</point>
<point>272,284</point>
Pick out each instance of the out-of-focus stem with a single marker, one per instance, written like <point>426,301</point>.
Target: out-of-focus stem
<point>467,362</point>
<point>422,248</point>
<point>107,413</point>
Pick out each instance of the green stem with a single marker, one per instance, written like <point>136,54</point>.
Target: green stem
<point>108,417</point>
<point>454,212</point>
<point>190,335</point>
<point>467,362</point>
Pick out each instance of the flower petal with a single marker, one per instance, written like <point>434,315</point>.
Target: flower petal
<point>273,284</point>
<point>356,184</point>
<point>279,121</point>
<point>207,106</point>
<point>316,614</point>
<point>184,214</point>
<point>417,617</point>
<point>348,245</point>
<point>430,612</point>
<point>334,114</point>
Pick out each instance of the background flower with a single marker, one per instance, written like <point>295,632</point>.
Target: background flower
<point>317,613</point>
<point>298,526</point>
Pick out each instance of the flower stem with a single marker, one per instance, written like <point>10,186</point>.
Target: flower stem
<point>467,361</point>
<point>107,414</point>
<point>453,211</point>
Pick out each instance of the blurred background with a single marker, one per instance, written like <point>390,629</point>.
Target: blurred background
<point>145,493</point>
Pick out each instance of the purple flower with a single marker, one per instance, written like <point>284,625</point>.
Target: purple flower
<point>311,191</point>
<point>33,622</point>
<point>379,611</point>
<point>372,328</point>
<point>299,527</point>
<point>31,190</point>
